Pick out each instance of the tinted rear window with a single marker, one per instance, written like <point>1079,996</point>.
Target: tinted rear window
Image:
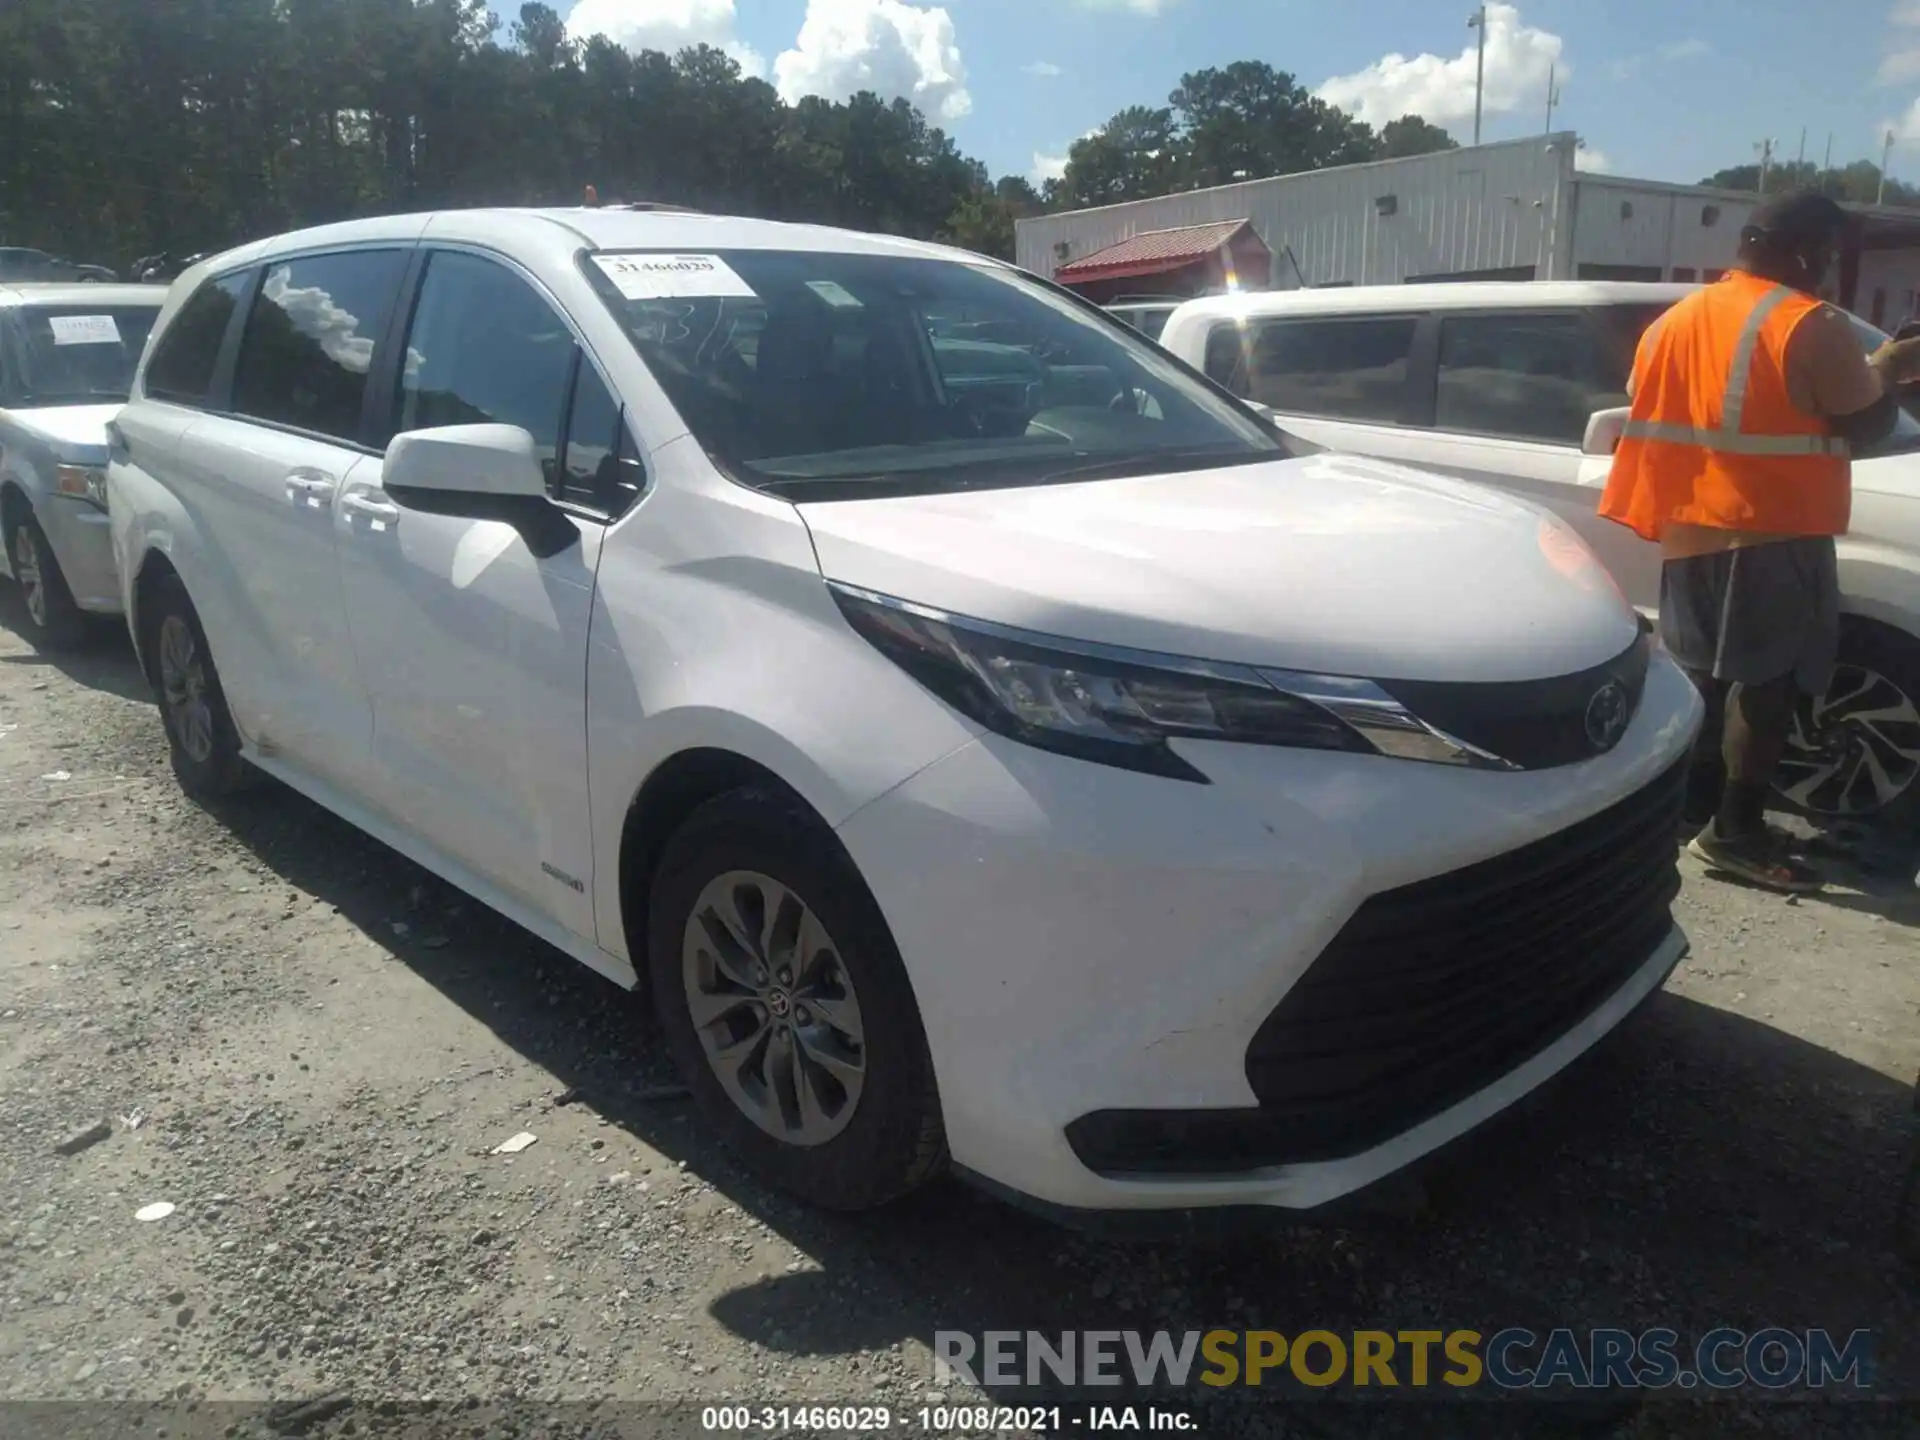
<point>182,364</point>
<point>308,346</point>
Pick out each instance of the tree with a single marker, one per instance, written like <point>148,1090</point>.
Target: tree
<point>1132,156</point>
<point>1858,181</point>
<point>1411,135</point>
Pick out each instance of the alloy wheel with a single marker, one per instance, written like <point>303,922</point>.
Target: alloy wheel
<point>27,573</point>
<point>183,688</point>
<point>1854,750</point>
<point>773,1007</point>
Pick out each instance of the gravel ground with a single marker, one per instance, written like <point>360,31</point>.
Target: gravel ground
<point>309,1049</point>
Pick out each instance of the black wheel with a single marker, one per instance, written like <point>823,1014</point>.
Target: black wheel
<point>786,1007</point>
<point>1854,753</point>
<point>200,729</point>
<point>54,622</point>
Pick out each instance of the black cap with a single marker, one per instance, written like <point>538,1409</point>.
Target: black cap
<point>1795,219</point>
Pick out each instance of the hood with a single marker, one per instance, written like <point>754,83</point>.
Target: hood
<point>1327,563</point>
<point>78,433</point>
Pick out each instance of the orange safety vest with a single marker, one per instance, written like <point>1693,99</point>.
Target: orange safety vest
<point>1712,438</point>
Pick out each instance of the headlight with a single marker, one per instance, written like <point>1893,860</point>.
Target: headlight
<point>1116,707</point>
<point>82,482</point>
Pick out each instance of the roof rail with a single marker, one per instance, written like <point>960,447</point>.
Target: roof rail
<point>653,205</point>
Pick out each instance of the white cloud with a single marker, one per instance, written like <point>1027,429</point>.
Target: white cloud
<point>316,315</point>
<point>1045,69</point>
<point>1898,66</point>
<point>1047,167</point>
<point>665,25</point>
<point>1593,161</point>
<point>1441,90</point>
<point>1906,12</point>
<point>1141,7</point>
<point>1906,129</point>
<point>885,46</point>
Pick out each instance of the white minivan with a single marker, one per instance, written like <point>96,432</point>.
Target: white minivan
<point>1501,384</point>
<point>987,740</point>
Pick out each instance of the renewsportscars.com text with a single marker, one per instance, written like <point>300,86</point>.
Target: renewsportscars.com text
<point>1508,1359</point>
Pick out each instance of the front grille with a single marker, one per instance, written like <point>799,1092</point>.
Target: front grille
<point>1535,724</point>
<point>1428,994</point>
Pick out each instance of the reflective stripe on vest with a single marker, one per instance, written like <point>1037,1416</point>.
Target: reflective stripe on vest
<point>1727,439</point>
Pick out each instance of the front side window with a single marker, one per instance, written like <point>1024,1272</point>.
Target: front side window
<point>80,354</point>
<point>598,468</point>
<point>811,372</point>
<point>183,362</point>
<point>1335,368</point>
<point>1526,377</point>
<point>485,349</point>
<point>308,346</point>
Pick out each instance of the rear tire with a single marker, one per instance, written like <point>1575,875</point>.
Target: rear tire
<point>808,1056</point>
<point>1854,753</point>
<point>54,622</point>
<point>201,735</point>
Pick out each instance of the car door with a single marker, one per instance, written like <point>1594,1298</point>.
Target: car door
<point>473,647</point>
<point>263,472</point>
<point>1511,393</point>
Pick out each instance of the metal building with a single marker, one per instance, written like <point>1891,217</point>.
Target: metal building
<point>1518,210</point>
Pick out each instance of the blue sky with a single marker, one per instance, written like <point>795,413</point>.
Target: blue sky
<point>1657,88</point>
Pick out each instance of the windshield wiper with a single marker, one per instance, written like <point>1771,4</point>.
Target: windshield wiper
<point>63,397</point>
<point>1152,462</point>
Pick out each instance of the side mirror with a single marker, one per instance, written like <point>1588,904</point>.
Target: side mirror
<point>1604,430</point>
<point>477,472</point>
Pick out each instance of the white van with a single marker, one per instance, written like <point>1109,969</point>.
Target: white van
<point>1501,383</point>
<point>987,740</point>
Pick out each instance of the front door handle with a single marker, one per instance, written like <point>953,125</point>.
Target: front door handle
<point>368,508</point>
<point>310,487</point>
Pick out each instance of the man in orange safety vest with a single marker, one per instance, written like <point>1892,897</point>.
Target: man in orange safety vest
<point>1748,397</point>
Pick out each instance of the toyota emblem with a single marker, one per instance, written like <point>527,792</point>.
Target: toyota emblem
<point>1607,715</point>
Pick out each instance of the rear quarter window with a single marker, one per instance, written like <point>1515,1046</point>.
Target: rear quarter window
<point>183,362</point>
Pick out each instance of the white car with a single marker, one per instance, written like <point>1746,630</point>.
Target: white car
<point>67,354</point>
<point>1011,751</point>
<point>1522,386</point>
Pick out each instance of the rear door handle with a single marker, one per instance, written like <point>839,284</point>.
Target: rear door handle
<point>310,487</point>
<point>368,508</point>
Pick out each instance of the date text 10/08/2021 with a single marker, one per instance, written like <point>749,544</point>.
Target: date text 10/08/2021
<point>940,1419</point>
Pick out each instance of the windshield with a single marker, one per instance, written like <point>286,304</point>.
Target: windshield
<point>811,373</point>
<point>78,353</point>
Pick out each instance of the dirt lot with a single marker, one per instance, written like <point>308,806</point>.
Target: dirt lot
<point>309,1048</point>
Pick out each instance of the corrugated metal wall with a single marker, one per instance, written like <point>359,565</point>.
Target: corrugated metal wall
<point>1481,208</point>
<point>1636,222</point>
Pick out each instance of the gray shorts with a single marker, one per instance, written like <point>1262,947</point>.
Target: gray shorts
<point>1755,613</point>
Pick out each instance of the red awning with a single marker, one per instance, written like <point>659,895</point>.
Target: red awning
<point>1153,253</point>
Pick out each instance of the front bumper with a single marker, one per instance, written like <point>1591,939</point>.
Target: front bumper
<point>1084,941</point>
<point>82,539</point>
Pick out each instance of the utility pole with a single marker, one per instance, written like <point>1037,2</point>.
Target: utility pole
<point>1886,157</point>
<point>1766,163</point>
<point>1826,164</point>
<point>1478,21</point>
<point>1553,97</point>
<point>1800,160</point>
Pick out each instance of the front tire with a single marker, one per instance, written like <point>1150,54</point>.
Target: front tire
<point>201,735</point>
<point>1854,753</point>
<point>786,1008</point>
<point>54,622</point>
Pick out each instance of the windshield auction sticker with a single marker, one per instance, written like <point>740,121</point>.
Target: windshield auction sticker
<point>672,277</point>
<point>83,329</point>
